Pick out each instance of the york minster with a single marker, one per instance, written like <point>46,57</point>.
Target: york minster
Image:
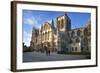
<point>62,38</point>
<point>55,36</point>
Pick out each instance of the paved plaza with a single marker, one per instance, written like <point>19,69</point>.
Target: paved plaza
<point>38,57</point>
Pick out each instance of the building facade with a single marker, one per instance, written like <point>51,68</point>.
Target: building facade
<point>60,37</point>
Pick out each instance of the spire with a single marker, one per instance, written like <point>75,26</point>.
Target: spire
<point>52,23</point>
<point>65,14</point>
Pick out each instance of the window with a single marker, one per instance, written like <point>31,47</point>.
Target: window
<point>46,36</point>
<point>77,40</point>
<point>85,41</point>
<point>62,24</point>
<point>78,32</point>
<point>75,48</point>
<point>73,34</point>
<point>85,31</point>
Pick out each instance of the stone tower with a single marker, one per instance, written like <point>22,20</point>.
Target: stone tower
<point>63,23</point>
<point>34,38</point>
<point>63,26</point>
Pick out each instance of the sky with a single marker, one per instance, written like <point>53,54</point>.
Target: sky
<point>33,18</point>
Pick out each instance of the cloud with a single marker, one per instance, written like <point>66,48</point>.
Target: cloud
<point>30,21</point>
<point>33,21</point>
<point>27,38</point>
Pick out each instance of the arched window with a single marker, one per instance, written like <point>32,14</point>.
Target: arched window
<point>79,33</point>
<point>75,48</point>
<point>62,24</point>
<point>77,40</point>
<point>73,34</point>
<point>85,41</point>
<point>48,35</point>
<point>85,31</point>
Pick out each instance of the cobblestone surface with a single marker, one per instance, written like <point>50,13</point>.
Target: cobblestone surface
<point>38,56</point>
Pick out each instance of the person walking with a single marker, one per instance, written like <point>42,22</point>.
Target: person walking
<point>46,50</point>
<point>49,51</point>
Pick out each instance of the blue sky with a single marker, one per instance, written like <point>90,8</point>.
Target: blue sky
<point>37,18</point>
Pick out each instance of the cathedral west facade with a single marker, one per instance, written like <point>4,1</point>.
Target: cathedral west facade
<point>60,36</point>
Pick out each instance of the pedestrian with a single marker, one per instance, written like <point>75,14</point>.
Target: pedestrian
<point>49,51</point>
<point>46,50</point>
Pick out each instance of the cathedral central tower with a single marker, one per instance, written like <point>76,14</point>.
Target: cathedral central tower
<point>63,23</point>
